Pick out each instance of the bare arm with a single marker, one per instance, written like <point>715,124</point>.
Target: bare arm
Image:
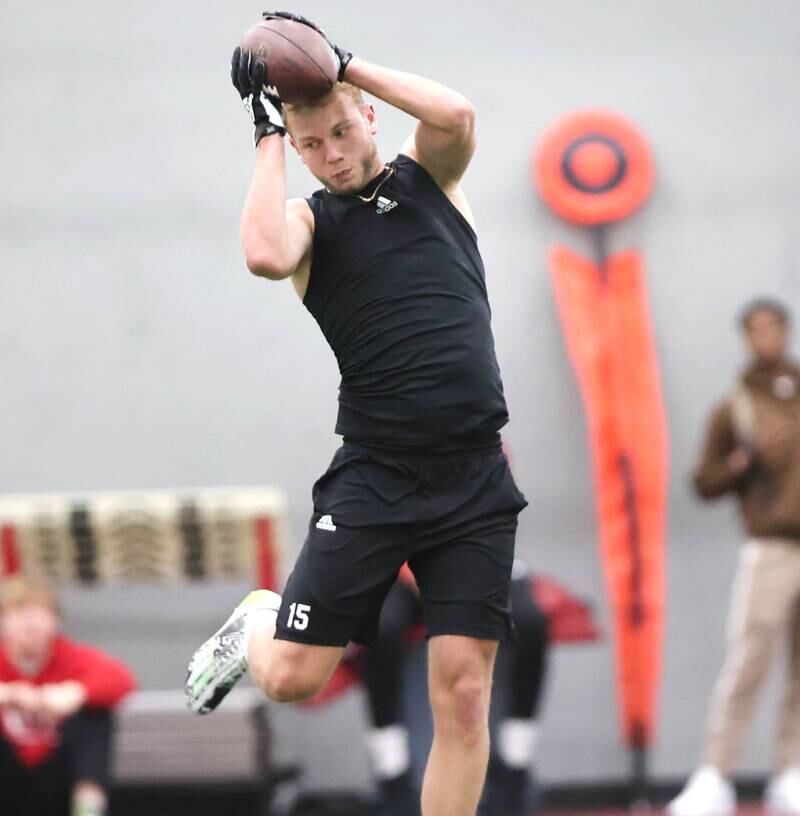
<point>276,234</point>
<point>22,695</point>
<point>444,139</point>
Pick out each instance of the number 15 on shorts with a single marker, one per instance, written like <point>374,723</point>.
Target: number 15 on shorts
<point>298,616</point>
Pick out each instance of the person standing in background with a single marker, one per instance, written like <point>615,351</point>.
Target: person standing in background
<point>752,450</point>
<point>56,701</point>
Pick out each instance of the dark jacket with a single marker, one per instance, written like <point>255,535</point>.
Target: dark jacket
<point>769,491</point>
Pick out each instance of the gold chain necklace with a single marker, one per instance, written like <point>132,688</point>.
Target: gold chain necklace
<point>367,199</point>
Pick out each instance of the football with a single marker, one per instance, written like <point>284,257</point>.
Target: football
<point>300,63</point>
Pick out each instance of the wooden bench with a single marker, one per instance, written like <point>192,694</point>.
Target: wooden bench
<point>160,744</point>
<point>159,741</point>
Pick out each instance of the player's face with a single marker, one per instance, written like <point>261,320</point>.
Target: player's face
<point>766,335</point>
<point>28,630</point>
<point>336,141</point>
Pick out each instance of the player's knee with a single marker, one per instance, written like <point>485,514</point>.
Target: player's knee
<point>461,706</point>
<point>286,684</point>
<point>285,677</point>
<point>470,699</point>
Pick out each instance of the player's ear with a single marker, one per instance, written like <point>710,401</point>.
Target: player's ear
<point>371,118</point>
<point>294,144</point>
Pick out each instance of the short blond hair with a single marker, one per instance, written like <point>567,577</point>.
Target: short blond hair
<point>24,590</point>
<point>340,88</point>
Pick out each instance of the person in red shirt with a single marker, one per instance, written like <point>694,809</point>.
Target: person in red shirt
<point>56,701</point>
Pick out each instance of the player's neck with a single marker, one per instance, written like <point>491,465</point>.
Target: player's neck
<point>378,167</point>
<point>376,181</point>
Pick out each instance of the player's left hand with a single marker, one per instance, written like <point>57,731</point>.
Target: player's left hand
<point>249,77</point>
<point>343,56</point>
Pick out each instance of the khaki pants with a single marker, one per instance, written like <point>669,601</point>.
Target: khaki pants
<point>765,610</point>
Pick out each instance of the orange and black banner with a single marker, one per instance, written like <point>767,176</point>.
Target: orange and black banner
<point>593,169</point>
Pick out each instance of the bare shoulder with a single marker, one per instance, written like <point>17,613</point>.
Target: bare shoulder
<point>298,209</point>
<point>445,149</point>
<point>451,187</point>
<point>458,197</point>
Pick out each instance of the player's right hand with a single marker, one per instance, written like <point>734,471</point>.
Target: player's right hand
<point>342,55</point>
<point>249,77</point>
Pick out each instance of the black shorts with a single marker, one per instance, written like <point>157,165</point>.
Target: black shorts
<point>453,518</point>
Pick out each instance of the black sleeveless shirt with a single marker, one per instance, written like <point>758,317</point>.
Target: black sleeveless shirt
<point>397,286</point>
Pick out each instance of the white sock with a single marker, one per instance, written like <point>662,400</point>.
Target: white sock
<point>255,620</point>
<point>388,750</point>
<point>516,742</point>
<point>89,801</point>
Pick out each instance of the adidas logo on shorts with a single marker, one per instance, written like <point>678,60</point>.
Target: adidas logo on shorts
<point>326,523</point>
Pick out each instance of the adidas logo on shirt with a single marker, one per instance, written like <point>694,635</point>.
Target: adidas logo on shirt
<point>326,523</point>
<point>384,205</point>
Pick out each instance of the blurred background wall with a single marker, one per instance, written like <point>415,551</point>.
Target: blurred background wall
<point>136,350</point>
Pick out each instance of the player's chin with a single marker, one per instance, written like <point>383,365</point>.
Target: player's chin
<point>343,188</point>
<point>345,184</point>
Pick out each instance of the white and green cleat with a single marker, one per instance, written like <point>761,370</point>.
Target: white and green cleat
<point>221,661</point>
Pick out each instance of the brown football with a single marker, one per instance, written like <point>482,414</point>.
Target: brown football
<point>300,63</point>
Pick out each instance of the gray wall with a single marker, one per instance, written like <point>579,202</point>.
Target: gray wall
<point>135,350</point>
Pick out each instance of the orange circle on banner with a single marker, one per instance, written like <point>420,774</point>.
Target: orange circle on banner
<point>594,164</point>
<point>593,167</point>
